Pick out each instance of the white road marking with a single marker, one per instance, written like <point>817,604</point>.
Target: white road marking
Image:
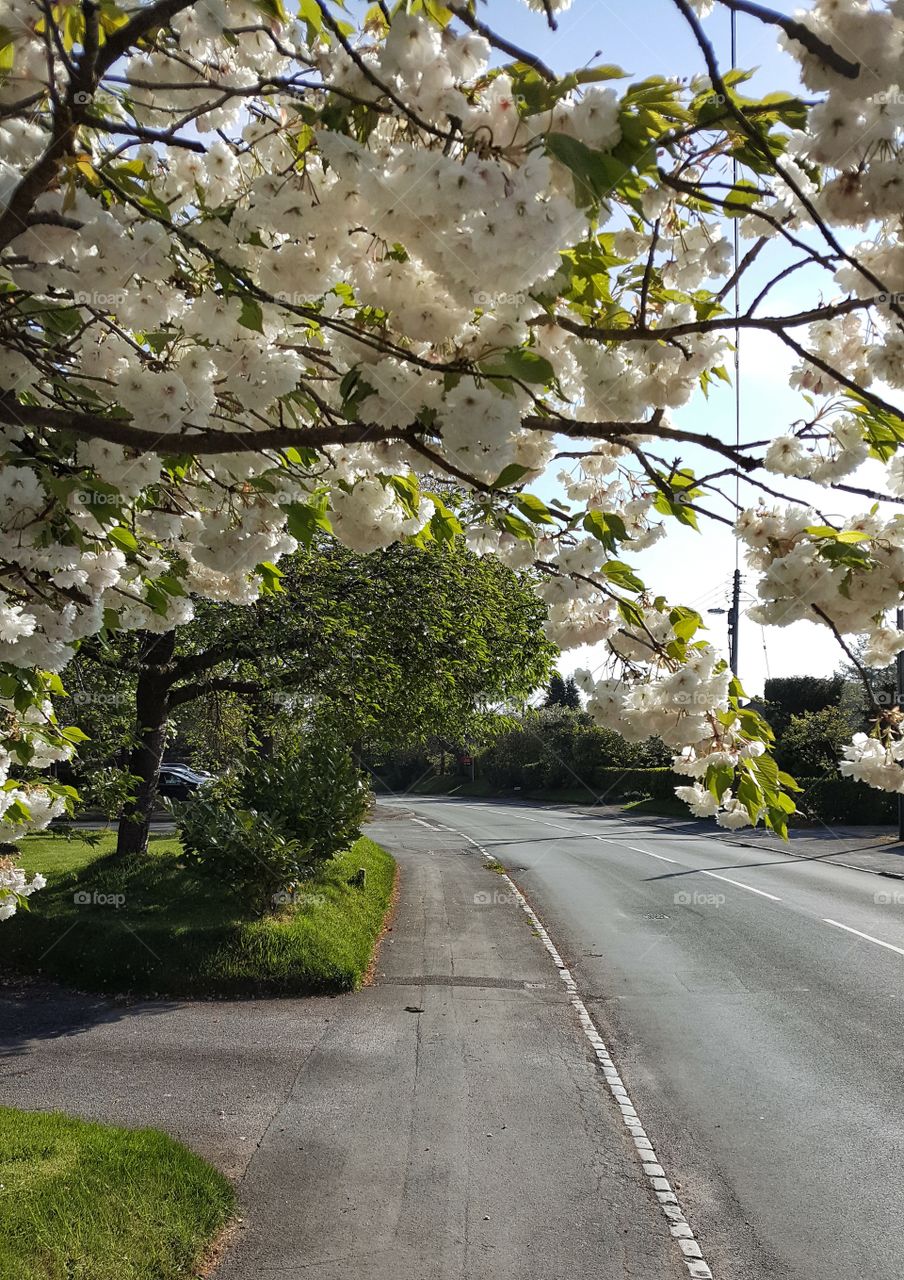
<point>868,936</point>
<point>738,885</point>
<point>679,1228</point>
<point>428,825</point>
<point>660,856</point>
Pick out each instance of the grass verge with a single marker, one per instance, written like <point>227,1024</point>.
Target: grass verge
<point>147,926</point>
<point>82,1201</point>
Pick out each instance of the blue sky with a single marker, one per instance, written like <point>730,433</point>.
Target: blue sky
<point>650,37</point>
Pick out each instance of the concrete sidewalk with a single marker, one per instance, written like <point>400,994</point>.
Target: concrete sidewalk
<point>448,1123</point>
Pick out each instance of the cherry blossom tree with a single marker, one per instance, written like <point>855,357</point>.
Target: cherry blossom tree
<point>267,270</point>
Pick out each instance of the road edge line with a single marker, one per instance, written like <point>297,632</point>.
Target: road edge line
<point>679,1227</point>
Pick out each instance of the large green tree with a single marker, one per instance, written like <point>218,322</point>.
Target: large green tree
<point>401,643</point>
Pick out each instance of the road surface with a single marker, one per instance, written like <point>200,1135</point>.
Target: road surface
<point>449,1122</point>
<point>755,1007</point>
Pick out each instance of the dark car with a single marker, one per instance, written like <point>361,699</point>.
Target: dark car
<point>180,781</point>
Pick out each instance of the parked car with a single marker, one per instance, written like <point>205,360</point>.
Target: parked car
<point>180,781</point>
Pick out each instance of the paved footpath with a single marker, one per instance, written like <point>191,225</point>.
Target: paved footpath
<point>451,1122</point>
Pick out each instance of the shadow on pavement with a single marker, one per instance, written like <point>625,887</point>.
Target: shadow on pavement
<point>31,1010</point>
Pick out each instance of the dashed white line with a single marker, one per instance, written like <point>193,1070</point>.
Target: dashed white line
<point>679,1228</point>
<point>868,936</point>
<point>738,885</point>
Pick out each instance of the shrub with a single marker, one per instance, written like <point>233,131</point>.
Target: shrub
<point>614,785</point>
<point>844,800</point>
<point>263,829</point>
<point>812,742</point>
<point>557,747</point>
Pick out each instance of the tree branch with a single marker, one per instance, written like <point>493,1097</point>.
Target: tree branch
<point>797,31</point>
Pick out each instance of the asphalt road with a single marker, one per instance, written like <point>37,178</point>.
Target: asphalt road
<point>754,1005</point>
<point>450,1122</point>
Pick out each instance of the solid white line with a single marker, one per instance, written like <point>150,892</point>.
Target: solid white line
<point>679,1228</point>
<point>738,885</point>
<point>660,856</point>
<point>868,936</point>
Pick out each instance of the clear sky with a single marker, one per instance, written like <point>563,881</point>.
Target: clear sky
<point>648,37</point>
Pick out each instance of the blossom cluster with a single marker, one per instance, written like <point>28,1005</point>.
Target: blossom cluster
<point>285,276</point>
<point>15,887</point>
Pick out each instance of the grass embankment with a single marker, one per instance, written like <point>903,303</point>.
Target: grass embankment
<point>149,926</point>
<point>82,1201</point>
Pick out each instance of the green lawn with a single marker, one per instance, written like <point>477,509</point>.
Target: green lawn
<point>148,926</point>
<point>83,1201</point>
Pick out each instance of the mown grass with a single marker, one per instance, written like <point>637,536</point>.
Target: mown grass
<point>150,927</point>
<point>82,1201</point>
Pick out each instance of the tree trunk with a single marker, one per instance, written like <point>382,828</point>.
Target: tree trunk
<point>151,718</point>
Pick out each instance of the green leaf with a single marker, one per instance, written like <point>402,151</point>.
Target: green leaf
<point>123,538</point>
<point>523,364</point>
<point>72,733</point>
<point>596,174</point>
<point>408,491</point>
<point>750,796</point>
<point>520,528</point>
<point>304,519</point>
<point>631,612</point>
<point>309,11</point>
<point>444,524</point>
<point>533,508</point>
<point>510,475</point>
<point>270,577</point>
<point>680,510</point>
<point>685,622</point>
<point>606,526</point>
<point>622,575</point>
<point>252,315</point>
<point>719,778</point>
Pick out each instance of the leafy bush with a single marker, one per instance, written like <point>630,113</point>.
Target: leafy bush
<point>812,742</point>
<point>557,747</point>
<point>844,800</point>
<point>615,785</point>
<point>268,826</point>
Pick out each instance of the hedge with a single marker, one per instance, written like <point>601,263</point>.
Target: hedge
<point>844,800</point>
<point>634,784</point>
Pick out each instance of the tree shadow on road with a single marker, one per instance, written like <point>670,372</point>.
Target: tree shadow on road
<point>31,1010</point>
